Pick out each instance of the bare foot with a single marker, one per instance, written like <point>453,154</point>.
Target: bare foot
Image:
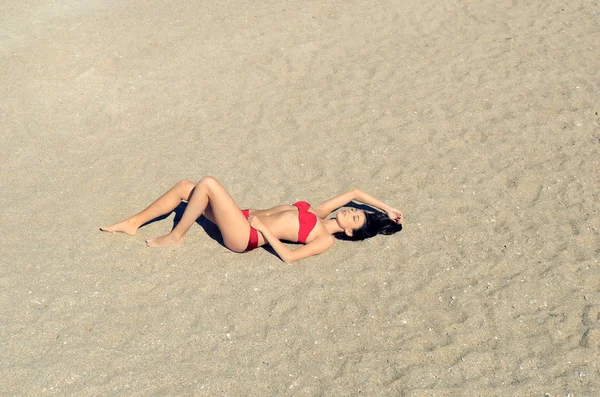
<point>122,227</point>
<point>165,241</point>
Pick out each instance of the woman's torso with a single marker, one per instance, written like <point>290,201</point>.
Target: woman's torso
<point>283,222</point>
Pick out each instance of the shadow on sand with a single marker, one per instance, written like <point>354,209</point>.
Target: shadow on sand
<point>210,228</point>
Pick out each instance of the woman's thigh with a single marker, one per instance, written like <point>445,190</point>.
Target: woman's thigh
<point>223,211</point>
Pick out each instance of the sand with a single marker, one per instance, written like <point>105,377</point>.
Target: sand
<point>478,119</point>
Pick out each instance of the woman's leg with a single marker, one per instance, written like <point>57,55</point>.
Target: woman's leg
<point>163,205</point>
<point>226,214</point>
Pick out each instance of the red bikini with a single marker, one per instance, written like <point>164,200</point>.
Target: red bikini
<point>306,219</point>
<point>253,239</point>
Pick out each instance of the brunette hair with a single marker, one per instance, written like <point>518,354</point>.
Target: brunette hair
<point>375,223</point>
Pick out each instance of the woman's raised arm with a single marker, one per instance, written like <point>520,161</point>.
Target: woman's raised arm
<point>327,207</point>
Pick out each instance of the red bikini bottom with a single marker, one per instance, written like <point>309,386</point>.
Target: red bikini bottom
<point>253,239</point>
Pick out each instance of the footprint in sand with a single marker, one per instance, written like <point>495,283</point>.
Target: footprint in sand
<point>591,319</point>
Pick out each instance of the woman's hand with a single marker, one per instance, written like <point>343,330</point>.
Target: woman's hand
<point>395,215</point>
<point>256,223</point>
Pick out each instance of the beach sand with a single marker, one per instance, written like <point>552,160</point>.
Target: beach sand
<point>478,119</point>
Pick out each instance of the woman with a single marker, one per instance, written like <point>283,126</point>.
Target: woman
<point>244,230</point>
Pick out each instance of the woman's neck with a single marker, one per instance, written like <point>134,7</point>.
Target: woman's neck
<point>332,226</point>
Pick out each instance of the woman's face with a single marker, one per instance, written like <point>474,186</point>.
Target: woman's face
<point>350,218</point>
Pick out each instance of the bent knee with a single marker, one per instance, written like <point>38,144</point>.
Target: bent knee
<point>185,188</point>
<point>186,184</point>
<point>209,181</point>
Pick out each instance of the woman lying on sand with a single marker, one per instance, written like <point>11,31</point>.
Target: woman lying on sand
<point>244,230</point>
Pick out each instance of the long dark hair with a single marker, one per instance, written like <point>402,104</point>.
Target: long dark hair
<point>375,223</point>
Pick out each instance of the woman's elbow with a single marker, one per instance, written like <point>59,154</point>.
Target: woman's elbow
<point>288,258</point>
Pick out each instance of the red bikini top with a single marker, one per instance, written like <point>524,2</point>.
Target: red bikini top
<point>307,220</point>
